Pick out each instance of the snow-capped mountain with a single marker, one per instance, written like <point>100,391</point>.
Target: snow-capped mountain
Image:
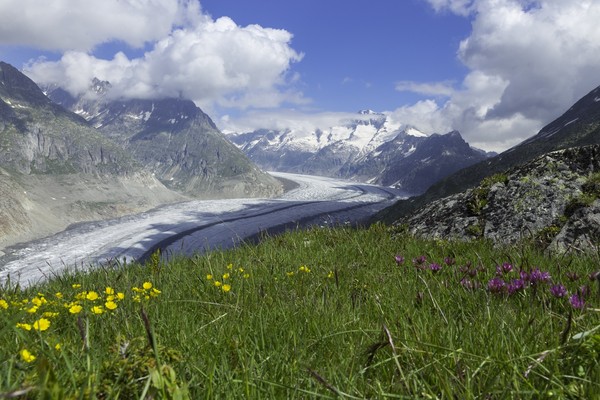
<point>370,148</point>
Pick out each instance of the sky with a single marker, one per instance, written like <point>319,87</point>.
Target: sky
<point>495,70</point>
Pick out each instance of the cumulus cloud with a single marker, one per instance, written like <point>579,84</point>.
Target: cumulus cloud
<point>83,24</point>
<point>529,61</point>
<point>210,61</point>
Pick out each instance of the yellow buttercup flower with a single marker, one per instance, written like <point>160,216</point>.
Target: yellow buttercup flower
<point>209,277</point>
<point>76,286</point>
<point>120,296</point>
<point>3,304</point>
<point>91,296</point>
<point>75,309</point>
<point>226,276</point>
<point>27,327</point>
<point>57,347</point>
<point>58,295</point>
<point>41,324</point>
<point>109,290</point>
<point>111,305</point>
<point>230,266</point>
<point>147,285</point>
<point>226,288</point>
<point>97,310</point>
<point>32,310</point>
<point>217,283</point>
<point>27,356</point>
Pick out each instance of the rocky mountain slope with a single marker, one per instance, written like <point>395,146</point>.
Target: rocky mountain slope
<point>173,139</point>
<point>578,126</point>
<point>55,169</point>
<point>553,200</point>
<point>369,149</point>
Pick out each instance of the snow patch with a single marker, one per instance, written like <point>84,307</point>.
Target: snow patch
<point>415,132</point>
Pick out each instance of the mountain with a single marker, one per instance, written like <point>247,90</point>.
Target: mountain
<point>578,126</point>
<point>369,148</point>
<point>174,140</point>
<point>55,169</point>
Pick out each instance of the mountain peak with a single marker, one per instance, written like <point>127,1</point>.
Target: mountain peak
<point>17,86</point>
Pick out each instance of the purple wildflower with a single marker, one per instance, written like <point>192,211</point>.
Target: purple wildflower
<point>449,261</point>
<point>435,267</point>
<point>558,291</point>
<point>496,285</point>
<point>577,301</point>
<point>507,268</point>
<point>419,260</point>
<point>538,276</point>
<point>516,285</point>
<point>399,259</point>
<point>524,275</point>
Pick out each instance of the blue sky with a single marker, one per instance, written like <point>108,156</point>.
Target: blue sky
<point>496,70</point>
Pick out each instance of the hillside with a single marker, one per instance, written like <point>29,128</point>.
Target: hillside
<point>55,169</point>
<point>553,200</point>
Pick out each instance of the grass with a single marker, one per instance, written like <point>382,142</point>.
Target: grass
<point>324,313</point>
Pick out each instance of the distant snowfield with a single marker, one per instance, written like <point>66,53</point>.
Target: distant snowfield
<point>194,227</point>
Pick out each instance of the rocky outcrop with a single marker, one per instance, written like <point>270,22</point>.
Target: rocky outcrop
<point>551,200</point>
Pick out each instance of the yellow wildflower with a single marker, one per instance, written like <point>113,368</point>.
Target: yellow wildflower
<point>209,277</point>
<point>58,295</point>
<point>76,286</point>
<point>97,310</point>
<point>57,347</point>
<point>290,273</point>
<point>27,356</point>
<point>330,275</point>
<point>147,285</point>
<point>155,292</point>
<point>226,288</point>
<point>304,268</point>
<point>32,310</point>
<point>41,324</point>
<point>91,296</point>
<point>111,305</point>
<point>217,283</point>
<point>120,296</point>
<point>110,298</point>
<point>75,309</point>
<point>3,304</point>
<point>49,314</point>
<point>246,276</point>
<point>37,301</point>
<point>109,290</point>
<point>240,270</point>
<point>27,327</point>
<point>226,276</point>
<point>230,266</point>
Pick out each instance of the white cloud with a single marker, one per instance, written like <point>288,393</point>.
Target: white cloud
<point>211,62</point>
<point>287,119</point>
<point>428,88</point>
<point>83,24</point>
<point>529,61</point>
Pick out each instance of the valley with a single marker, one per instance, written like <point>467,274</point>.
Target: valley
<point>195,226</point>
